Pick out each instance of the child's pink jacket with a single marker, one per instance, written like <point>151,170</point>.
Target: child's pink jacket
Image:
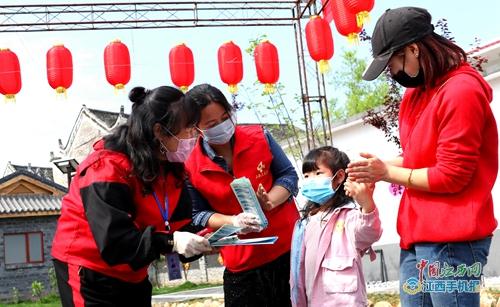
<point>330,270</point>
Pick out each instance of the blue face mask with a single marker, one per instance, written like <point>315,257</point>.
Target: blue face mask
<point>222,133</point>
<point>319,189</point>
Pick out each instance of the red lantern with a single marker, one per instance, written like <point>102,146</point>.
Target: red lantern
<point>327,10</point>
<point>117,64</point>
<point>319,41</point>
<point>345,21</point>
<point>59,68</point>
<point>361,8</point>
<point>267,65</point>
<point>230,65</point>
<point>181,66</point>
<point>10,74</point>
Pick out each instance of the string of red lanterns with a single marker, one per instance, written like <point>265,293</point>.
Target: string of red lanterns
<point>348,16</point>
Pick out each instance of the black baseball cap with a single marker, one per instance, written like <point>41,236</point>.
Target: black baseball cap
<point>395,29</point>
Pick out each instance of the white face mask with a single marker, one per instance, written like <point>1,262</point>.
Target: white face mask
<point>222,133</point>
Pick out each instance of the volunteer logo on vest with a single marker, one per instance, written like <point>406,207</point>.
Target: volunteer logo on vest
<point>261,170</point>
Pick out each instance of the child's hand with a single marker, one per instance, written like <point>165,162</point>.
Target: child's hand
<point>362,194</point>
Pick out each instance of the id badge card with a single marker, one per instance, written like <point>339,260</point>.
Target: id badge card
<point>174,266</point>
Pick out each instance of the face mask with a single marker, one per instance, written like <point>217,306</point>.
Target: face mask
<point>222,133</point>
<point>319,189</point>
<point>184,149</point>
<point>405,80</point>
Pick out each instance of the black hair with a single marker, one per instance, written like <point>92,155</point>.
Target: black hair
<point>201,96</point>
<point>164,105</point>
<point>335,160</point>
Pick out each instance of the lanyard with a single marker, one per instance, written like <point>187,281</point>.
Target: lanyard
<point>163,210</point>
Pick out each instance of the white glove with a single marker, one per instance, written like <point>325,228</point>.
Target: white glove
<point>189,244</point>
<point>248,222</point>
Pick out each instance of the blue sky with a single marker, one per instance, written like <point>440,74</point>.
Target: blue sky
<point>30,128</point>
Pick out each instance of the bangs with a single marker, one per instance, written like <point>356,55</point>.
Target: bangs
<point>311,160</point>
<point>327,156</point>
<point>178,117</point>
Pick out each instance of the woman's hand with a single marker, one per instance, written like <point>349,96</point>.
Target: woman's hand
<point>248,222</point>
<point>263,198</point>
<point>362,194</point>
<point>369,170</point>
<point>189,244</point>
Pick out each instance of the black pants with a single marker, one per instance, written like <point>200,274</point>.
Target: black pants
<point>265,286</point>
<point>82,287</point>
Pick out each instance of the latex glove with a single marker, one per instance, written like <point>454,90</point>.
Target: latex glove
<point>248,222</point>
<point>189,244</point>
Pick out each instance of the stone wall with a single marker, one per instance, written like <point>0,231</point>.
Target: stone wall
<point>21,276</point>
<point>207,269</point>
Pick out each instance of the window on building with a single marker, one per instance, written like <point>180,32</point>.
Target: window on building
<point>23,248</point>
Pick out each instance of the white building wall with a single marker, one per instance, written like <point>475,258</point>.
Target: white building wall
<point>494,81</point>
<point>357,137</point>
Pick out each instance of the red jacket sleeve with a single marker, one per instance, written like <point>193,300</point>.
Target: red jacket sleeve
<point>461,121</point>
<point>107,198</point>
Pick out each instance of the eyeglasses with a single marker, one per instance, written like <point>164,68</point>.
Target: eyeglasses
<point>192,132</point>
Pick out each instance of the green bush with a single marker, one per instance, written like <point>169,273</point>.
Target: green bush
<point>37,290</point>
<point>15,295</point>
<point>52,281</point>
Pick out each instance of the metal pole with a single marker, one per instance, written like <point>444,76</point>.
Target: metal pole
<point>206,267</point>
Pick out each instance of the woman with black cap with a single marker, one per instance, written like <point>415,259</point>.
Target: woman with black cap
<point>449,160</point>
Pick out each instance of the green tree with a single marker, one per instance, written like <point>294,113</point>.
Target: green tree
<point>360,95</point>
<point>274,104</point>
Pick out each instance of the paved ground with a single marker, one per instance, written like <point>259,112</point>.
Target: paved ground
<point>216,293</point>
<point>213,293</point>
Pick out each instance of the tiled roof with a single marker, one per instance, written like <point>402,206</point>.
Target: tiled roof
<point>45,172</point>
<point>28,203</point>
<point>34,176</point>
<point>109,118</point>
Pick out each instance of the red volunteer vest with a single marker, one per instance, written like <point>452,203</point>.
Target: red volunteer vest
<point>74,243</point>
<point>252,159</point>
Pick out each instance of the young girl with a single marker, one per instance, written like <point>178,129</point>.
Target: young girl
<point>333,234</point>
